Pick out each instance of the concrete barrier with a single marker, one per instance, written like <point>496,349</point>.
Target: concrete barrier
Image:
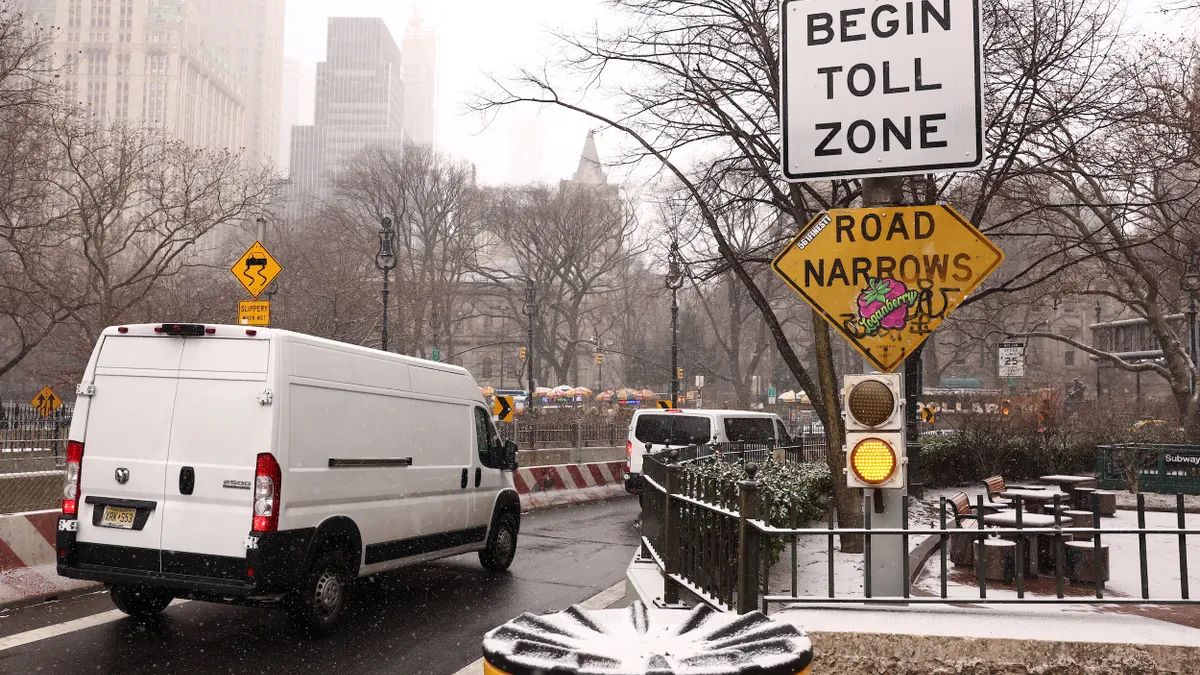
<point>545,486</point>
<point>27,566</point>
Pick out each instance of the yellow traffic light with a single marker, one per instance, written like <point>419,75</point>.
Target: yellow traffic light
<point>679,373</point>
<point>873,461</point>
<point>522,353</point>
<point>599,358</point>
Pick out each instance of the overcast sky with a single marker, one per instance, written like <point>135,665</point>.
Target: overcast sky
<point>475,37</point>
<point>481,36</point>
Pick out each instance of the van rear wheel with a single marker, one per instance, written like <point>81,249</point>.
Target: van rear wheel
<point>138,601</point>
<point>319,603</point>
<point>501,545</point>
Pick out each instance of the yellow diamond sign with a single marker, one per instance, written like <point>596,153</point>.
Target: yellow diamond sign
<point>887,277</point>
<point>46,401</point>
<point>256,269</point>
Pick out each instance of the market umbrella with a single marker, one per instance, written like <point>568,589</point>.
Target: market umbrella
<point>787,397</point>
<point>626,394</point>
<point>487,392</point>
<point>605,396</point>
<point>645,394</point>
<point>582,391</point>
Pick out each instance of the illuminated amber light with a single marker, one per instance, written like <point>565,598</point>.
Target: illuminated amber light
<point>873,461</point>
<point>871,403</point>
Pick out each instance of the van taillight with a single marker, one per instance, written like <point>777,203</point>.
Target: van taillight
<point>628,456</point>
<point>267,479</point>
<point>70,502</point>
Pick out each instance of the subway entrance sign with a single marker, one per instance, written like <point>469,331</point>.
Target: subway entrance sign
<point>877,88</point>
<point>886,278</point>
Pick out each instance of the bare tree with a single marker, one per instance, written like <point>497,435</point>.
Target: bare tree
<point>436,209</point>
<point>572,242</point>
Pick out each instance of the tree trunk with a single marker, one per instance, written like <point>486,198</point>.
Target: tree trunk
<point>849,503</point>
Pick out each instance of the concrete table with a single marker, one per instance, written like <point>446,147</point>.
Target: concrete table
<point>1008,519</point>
<point>1069,484</point>
<point>1035,498</point>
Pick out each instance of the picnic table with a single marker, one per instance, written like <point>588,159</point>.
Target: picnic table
<point>1009,519</point>
<point>1066,483</point>
<point>1036,498</point>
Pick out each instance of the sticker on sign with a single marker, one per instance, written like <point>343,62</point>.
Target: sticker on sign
<point>879,88</point>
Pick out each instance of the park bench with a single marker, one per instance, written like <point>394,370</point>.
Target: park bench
<point>996,484</point>
<point>962,551</point>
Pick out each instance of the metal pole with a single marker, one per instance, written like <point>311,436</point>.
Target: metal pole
<point>912,393</point>
<point>531,311</point>
<point>386,275</point>
<point>1097,360</point>
<point>674,348</point>
<point>1191,316</point>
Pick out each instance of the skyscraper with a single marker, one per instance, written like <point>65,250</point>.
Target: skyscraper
<point>249,35</point>
<point>359,102</point>
<point>420,82</point>
<point>203,70</point>
<point>297,108</point>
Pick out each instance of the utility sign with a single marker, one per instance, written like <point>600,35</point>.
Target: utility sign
<point>1012,359</point>
<point>886,278</point>
<point>254,312</point>
<point>255,270</point>
<point>875,88</point>
<point>771,395</point>
<point>503,407</point>
<point>46,401</point>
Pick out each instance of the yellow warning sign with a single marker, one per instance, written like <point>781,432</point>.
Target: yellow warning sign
<point>256,269</point>
<point>254,312</point>
<point>886,278</point>
<point>46,401</point>
<point>503,407</point>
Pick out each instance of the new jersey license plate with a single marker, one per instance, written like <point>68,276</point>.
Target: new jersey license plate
<point>118,517</point>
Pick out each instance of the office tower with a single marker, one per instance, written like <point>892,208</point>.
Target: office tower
<point>420,82</point>
<point>297,109</point>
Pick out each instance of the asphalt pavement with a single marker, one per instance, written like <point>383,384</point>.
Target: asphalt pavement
<point>423,619</point>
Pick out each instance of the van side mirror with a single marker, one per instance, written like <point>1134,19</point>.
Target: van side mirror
<point>509,455</point>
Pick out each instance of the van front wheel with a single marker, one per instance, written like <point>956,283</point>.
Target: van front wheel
<point>138,601</point>
<point>318,604</point>
<point>501,545</point>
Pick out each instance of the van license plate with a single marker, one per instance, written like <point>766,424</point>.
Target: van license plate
<point>115,516</point>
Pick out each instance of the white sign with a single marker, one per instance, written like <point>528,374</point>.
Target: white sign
<point>1012,359</point>
<point>876,88</point>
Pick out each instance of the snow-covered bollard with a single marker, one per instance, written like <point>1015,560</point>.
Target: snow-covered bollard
<point>641,641</point>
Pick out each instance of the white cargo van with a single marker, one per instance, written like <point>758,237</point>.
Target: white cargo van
<point>258,466</point>
<point>652,430</point>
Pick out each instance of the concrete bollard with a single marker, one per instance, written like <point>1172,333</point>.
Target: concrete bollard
<point>641,641</point>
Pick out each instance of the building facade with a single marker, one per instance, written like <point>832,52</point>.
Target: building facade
<point>297,106</point>
<point>200,69</point>
<point>420,82</point>
<point>359,103</point>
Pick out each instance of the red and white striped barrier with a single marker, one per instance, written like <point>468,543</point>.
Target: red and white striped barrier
<point>543,486</point>
<point>27,564</point>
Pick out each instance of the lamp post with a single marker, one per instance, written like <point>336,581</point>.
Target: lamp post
<point>1190,283</point>
<point>674,282</point>
<point>1097,345</point>
<point>531,363</point>
<point>385,260</point>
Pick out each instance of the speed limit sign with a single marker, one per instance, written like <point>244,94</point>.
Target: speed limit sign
<point>1012,359</point>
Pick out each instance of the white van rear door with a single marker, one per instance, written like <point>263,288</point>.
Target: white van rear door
<point>125,447</point>
<point>219,428</point>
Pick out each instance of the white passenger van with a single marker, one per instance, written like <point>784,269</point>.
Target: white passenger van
<point>652,430</point>
<point>259,466</point>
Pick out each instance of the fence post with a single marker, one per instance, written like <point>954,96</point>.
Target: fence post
<point>777,452</point>
<point>748,542</point>
<point>670,552</point>
<point>578,442</point>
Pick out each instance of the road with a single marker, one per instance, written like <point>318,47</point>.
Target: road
<point>425,619</point>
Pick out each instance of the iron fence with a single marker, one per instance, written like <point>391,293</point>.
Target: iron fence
<point>558,434</point>
<point>32,454</point>
<point>1159,467</point>
<point>711,540</point>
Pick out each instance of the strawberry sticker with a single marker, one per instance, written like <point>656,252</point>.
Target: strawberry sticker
<point>884,305</point>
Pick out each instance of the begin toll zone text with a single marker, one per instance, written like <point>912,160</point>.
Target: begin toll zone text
<point>910,268</point>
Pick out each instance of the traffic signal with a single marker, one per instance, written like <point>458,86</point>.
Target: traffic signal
<point>599,358</point>
<point>875,443</point>
<point>679,374</point>
<point>522,353</point>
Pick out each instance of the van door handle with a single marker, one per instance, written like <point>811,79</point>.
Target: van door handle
<point>478,476</point>
<point>187,480</point>
<point>464,479</point>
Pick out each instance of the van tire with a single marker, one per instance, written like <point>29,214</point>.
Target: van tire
<point>318,604</point>
<point>501,545</point>
<point>138,601</point>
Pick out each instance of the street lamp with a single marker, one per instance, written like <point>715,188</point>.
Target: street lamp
<point>385,260</point>
<point>1096,344</point>
<point>674,282</point>
<point>531,312</point>
<point>1190,283</point>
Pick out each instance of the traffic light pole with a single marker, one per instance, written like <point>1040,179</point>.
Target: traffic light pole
<point>883,508</point>
<point>913,385</point>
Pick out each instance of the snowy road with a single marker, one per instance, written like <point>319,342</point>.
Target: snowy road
<point>427,619</point>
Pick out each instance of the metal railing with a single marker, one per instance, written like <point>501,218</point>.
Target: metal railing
<point>1160,467</point>
<point>559,434</point>
<point>32,454</point>
<point>711,541</point>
